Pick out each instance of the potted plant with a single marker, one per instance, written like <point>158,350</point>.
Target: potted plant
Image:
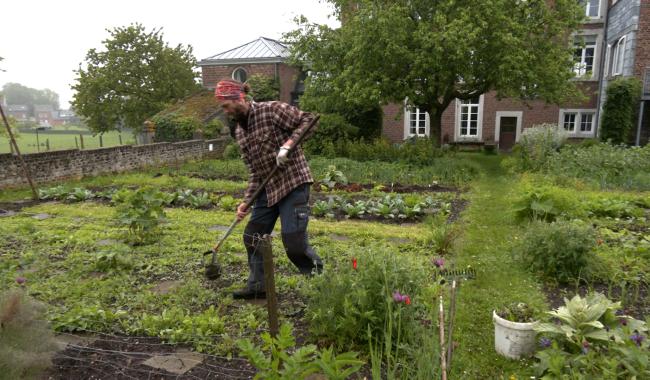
<point>514,335</point>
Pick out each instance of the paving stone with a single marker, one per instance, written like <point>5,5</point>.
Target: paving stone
<point>6,213</point>
<point>42,216</point>
<point>178,363</point>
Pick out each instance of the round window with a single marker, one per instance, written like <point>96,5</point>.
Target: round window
<point>239,75</point>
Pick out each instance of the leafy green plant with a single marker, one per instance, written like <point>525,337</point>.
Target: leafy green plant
<point>176,325</point>
<point>536,146</point>
<point>200,200</point>
<point>27,342</point>
<point>591,339</point>
<point>332,177</point>
<point>620,109</point>
<point>322,208</point>
<point>79,194</point>
<point>278,358</point>
<point>54,193</point>
<point>355,210</point>
<point>113,259</point>
<point>560,251</point>
<point>141,211</point>
<point>228,203</point>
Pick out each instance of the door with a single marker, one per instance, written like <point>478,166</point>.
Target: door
<point>507,133</point>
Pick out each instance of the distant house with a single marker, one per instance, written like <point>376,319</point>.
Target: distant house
<point>263,56</point>
<point>18,111</point>
<point>44,115</point>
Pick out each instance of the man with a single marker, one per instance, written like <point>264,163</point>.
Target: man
<point>265,132</point>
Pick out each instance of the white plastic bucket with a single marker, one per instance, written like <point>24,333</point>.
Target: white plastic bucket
<point>513,340</point>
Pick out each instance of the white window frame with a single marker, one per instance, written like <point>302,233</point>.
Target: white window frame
<point>619,52</point>
<point>407,122</point>
<point>580,68</point>
<point>578,120</point>
<point>479,126</point>
<point>235,72</point>
<point>587,3</point>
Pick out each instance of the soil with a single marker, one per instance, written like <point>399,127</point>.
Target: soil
<point>635,303</point>
<point>392,188</point>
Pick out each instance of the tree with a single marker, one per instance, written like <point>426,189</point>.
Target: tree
<point>132,79</point>
<point>16,93</point>
<point>432,52</point>
<point>264,88</point>
<point>1,70</point>
<point>620,109</point>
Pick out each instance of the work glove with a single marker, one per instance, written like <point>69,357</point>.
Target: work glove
<point>283,156</point>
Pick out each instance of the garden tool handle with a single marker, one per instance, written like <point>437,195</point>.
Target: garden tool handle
<point>261,187</point>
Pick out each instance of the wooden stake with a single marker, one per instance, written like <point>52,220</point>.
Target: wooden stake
<point>81,139</point>
<point>20,157</point>
<point>441,323</point>
<point>450,329</point>
<point>269,281</point>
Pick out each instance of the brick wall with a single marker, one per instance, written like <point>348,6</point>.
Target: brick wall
<point>642,56</point>
<point>74,163</point>
<point>286,74</point>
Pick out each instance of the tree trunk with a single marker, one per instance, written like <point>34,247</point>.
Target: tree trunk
<point>435,126</point>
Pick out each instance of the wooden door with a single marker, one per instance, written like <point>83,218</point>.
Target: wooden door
<point>507,133</point>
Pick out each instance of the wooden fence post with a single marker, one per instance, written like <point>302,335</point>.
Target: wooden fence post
<point>47,144</point>
<point>12,141</point>
<point>38,142</point>
<point>269,281</point>
<point>81,138</point>
<point>76,142</point>
<point>120,137</point>
<point>101,141</point>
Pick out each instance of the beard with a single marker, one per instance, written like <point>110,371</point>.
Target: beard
<point>240,115</point>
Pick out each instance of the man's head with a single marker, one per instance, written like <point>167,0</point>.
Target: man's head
<point>231,94</point>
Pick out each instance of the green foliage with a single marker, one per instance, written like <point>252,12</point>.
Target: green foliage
<point>535,148</point>
<point>517,312</point>
<point>332,177</point>
<point>16,93</point>
<point>175,128</point>
<point>264,88</point>
<point>604,165</point>
<point>228,203</point>
<point>548,203</point>
<point>133,78</point>
<point>114,259</point>
<point>345,302</point>
<point>141,211</point>
<point>27,341</point>
<point>440,234</point>
<point>388,51</point>
<point>278,358</point>
<point>591,340</point>
<point>620,109</point>
<point>332,129</point>
<point>560,251</point>
<point>176,325</point>
<point>232,151</point>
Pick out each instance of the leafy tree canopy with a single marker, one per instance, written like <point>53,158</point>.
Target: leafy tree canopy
<point>264,88</point>
<point>16,93</point>
<point>133,78</point>
<point>432,52</point>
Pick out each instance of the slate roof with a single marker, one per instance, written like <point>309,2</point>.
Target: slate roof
<point>261,50</point>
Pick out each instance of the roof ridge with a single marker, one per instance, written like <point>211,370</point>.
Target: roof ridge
<point>263,39</point>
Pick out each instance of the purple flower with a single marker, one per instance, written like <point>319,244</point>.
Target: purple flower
<point>545,343</point>
<point>439,262</point>
<point>637,338</point>
<point>623,321</point>
<point>585,347</point>
<point>20,280</point>
<point>397,297</point>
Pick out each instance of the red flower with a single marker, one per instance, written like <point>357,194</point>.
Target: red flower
<point>354,263</point>
<point>407,300</point>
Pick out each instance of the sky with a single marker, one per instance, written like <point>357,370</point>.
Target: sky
<point>44,41</point>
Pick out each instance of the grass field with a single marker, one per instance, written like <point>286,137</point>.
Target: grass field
<point>28,143</point>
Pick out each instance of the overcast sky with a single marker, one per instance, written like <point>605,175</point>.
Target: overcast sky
<point>43,41</point>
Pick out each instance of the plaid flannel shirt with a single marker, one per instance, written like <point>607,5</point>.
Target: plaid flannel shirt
<point>270,125</point>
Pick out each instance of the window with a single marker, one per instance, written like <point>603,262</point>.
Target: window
<point>469,117</point>
<point>618,58</point>
<point>583,57</point>
<point>578,123</point>
<point>240,75</point>
<point>592,8</point>
<point>416,122</point>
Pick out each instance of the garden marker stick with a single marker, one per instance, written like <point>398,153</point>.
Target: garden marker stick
<point>213,270</point>
<point>264,245</point>
<point>452,315</point>
<point>441,323</point>
<point>20,157</point>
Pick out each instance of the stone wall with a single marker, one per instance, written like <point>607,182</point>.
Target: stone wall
<point>74,163</point>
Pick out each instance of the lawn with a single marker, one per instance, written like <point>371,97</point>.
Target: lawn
<point>29,142</point>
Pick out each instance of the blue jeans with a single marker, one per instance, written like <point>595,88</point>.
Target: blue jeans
<point>293,211</point>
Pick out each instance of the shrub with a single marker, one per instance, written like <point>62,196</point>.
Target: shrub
<point>548,203</point>
<point>264,88</point>
<point>173,127</point>
<point>27,341</point>
<point>559,251</point>
<point>347,302</point>
<point>332,129</point>
<point>232,151</point>
<point>619,110</point>
<point>535,147</point>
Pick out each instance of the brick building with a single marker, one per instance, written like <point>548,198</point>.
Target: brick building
<point>613,42</point>
<point>262,56</point>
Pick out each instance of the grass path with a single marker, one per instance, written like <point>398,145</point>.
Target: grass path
<point>488,232</point>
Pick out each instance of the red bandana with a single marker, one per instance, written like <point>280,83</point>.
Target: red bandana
<point>229,90</point>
